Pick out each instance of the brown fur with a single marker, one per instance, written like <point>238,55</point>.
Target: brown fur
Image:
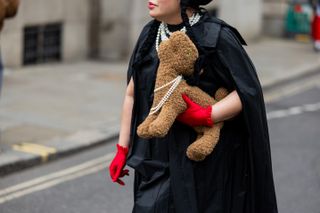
<point>2,12</point>
<point>177,57</point>
<point>8,9</point>
<point>12,8</point>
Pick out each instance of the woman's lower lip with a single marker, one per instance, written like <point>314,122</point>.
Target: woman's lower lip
<point>151,6</point>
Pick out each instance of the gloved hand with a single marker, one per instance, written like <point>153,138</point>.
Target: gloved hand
<point>195,115</point>
<point>117,164</point>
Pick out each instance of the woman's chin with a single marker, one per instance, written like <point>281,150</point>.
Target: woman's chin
<point>156,18</point>
<point>152,14</point>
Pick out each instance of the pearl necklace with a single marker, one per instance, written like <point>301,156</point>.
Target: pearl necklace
<point>175,82</point>
<point>163,29</point>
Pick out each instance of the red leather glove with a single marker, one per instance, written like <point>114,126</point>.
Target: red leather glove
<point>117,164</point>
<point>195,115</point>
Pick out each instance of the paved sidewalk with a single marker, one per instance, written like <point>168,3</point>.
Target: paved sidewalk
<point>279,60</point>
<point>53,110</point>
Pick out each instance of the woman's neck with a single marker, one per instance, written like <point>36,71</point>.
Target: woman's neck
<point>175,27</point>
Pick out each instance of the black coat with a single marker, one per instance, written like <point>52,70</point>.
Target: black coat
<point>237,177</point>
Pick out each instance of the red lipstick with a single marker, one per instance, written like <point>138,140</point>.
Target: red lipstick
<point>151,5</point>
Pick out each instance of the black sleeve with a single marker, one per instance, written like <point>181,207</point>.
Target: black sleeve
<point>237,65</point>
<point>130,65</point>
<point>242,74</point>
<point>219,73</point>
<point>140,40</point>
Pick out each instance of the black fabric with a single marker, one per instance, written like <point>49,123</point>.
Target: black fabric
<point>237,177</point>
<point>195,2</point>
<point>175,27</point>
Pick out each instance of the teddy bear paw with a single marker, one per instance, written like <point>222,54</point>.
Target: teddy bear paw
<point>195,154</point>
<point>143,132</point>
<point>157,130</point>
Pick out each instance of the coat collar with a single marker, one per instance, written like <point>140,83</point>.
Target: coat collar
<point>207,31</point>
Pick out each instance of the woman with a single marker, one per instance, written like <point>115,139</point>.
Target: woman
<point>237,177</point>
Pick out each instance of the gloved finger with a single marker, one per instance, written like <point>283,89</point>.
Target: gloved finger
<point>124,172</point>
<point>120,182</point>
<point>188,101</point>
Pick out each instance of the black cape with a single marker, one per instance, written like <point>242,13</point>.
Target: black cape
<point>237,177</point>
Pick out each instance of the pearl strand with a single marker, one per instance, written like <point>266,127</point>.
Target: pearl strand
<point>193,19</point>
<point>167,84</point>
<point>166,96</point>
<point>163,29</point>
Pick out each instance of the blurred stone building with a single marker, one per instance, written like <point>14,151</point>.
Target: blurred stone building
<point>69,30</point>
<point>274,12</point>
<point>46,30</point>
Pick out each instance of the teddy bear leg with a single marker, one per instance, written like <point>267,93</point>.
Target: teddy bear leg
<point>200,97</point>
<point>165,119</point>
<point>143,128</point>
<point>203,146</point>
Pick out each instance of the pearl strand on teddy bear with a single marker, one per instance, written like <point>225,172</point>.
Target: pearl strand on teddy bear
<point>175,82</point>
<point>163,86</point>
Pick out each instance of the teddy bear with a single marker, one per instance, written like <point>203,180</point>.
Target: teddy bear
<point>177,57</point>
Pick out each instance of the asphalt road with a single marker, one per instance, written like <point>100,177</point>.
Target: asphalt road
<point>81,183</point>
<point>72,190</point>
<point>294,130</point>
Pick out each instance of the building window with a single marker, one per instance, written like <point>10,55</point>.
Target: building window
<point>42,43</point>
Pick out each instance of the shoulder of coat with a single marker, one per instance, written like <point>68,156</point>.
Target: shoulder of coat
<point>145,30</point>
<point>230,28</point>
<point>143,34</point>
<point>209,31</point>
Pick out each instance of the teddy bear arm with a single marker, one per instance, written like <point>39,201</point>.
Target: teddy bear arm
<point>143,128</point>
<point>161,125</point>
<point>199,96</point>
